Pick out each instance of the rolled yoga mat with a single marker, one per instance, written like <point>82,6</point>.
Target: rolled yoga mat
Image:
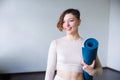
<point>89,53</point>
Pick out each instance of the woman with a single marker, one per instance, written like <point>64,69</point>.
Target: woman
<point>65,53</point>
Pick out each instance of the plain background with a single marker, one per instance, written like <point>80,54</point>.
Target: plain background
<point>28,26</point>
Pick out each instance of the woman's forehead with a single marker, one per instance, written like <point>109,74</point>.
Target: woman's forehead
<point>69,16</point>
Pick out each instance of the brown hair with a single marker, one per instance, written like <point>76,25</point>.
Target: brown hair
<point>75,12</point>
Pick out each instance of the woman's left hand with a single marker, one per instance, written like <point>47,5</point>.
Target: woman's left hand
<point>89,68</point>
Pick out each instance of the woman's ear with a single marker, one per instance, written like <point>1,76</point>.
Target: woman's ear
<point>79,22</point>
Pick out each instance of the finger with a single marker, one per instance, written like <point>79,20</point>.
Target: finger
<point>93,63</point>
<point>83,63</point>
<point>84,67</point>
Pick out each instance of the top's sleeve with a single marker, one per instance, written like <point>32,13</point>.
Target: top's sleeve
<point>51,62</point>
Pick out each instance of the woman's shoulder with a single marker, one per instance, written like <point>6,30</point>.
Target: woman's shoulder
<point>82,39</point>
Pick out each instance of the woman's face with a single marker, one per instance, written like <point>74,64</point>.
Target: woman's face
<point>70,24</point>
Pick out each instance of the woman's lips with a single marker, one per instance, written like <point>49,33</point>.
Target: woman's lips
<point>68,28</point>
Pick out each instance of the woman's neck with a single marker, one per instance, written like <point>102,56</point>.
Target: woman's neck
<point>73,37</point>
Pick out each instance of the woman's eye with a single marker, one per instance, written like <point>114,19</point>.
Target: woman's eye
<point>71,20</point>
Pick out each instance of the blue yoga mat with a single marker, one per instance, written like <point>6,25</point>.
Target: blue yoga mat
<point>89,53</point>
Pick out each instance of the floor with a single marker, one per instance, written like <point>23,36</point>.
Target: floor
<point>108,74</point>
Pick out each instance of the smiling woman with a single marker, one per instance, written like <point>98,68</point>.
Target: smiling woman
<point>65,53</point>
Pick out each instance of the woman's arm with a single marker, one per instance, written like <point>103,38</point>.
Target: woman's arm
<point>98,67</point>
<point>51,63</point>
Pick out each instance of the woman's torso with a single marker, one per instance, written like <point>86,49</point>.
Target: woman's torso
<point>65,75</point>
<point>69,56</point>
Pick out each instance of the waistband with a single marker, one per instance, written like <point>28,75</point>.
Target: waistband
<point>58,78</point>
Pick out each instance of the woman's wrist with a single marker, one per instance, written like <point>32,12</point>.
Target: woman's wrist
<point>92,73</point>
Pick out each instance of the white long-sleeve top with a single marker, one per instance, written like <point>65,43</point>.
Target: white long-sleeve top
<point>64,54</point>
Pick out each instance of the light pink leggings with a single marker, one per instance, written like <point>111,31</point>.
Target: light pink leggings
<point>58,78</point>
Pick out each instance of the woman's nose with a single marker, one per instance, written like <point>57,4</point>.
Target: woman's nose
<point>67,24</point>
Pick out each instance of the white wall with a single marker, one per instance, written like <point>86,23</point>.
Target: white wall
<point>28,26</point>
<point>113,59</point>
